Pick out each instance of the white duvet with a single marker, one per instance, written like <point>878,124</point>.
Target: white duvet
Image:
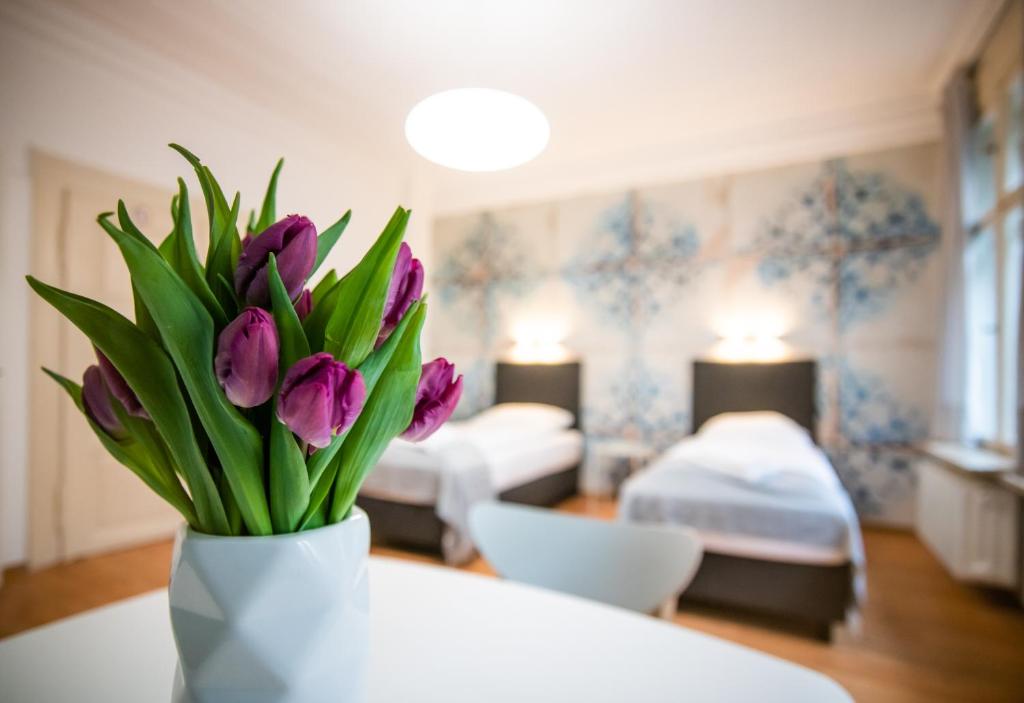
<point>780,459</point>
<point>773,461</point>
<point>467,462</point>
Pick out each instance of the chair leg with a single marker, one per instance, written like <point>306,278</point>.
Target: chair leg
<point>668,608</point>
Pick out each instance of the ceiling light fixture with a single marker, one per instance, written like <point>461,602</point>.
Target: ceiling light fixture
<point>477,129</point>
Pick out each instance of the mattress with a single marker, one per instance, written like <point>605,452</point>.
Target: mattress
<point>410,474</point>
<point>736,518</point>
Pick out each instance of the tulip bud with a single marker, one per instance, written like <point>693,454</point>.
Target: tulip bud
<point>292,241</point>
<point>119,387</point>
<point>436,399</point>
<point>319,396</point>
<point>304,304</point>
<point>247,358</point>
<point>97,402</point>
<point>406,286</point>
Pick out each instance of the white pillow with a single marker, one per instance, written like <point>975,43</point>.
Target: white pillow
<point>759,426</point>
<point>532,417</point>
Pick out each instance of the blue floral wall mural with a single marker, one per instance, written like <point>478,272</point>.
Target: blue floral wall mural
<point>843,251</point>
<point>628,270</point>
<point>487,266</point>
<point>636,402</point>
<point>863,233</point>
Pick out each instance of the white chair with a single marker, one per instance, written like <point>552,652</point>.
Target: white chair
<point>639,567</point>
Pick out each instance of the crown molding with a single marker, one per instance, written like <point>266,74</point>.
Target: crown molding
<point>972,29</point>
<point>866,128</point>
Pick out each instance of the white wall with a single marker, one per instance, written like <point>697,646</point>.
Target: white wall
<point>71,89</point>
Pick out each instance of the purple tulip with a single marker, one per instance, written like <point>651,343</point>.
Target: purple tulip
<point>119,387</point>
<point>436,398</point>
<point>97,402</point>
<point>406,286</point>
<point>319,396</point>
<point>304,304</point>
<point>292,241</point>
<point>247,357</point>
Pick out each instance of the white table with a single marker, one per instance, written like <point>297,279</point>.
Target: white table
<point>438,635</point>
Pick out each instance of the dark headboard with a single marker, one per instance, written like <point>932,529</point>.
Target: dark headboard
<point>554,384</point>
<point>786,387</point>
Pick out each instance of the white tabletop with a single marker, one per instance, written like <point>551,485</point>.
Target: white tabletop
<point>437,635</point>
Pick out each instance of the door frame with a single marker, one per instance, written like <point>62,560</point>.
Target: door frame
<point>54,181</point>
<point>46,347</point>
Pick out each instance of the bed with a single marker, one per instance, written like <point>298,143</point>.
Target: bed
<point>781,535</point>
<point>526,449</point>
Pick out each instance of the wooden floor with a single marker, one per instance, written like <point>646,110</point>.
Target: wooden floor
<point>923,636</point>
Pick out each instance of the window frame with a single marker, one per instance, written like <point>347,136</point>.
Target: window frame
<point>994,219</point>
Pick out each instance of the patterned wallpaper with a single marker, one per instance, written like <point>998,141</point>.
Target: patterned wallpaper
<point>839,258</point>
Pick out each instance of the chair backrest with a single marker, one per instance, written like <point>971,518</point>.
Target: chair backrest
<point>624,564</point>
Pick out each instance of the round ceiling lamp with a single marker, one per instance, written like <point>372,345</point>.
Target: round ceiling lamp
<point>477,129</point>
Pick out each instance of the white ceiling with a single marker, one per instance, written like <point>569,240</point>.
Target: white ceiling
<point>623,82</point>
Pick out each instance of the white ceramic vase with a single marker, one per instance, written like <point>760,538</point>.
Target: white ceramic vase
<point>282,618</point>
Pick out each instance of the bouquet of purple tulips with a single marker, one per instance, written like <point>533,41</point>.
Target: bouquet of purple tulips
<point>249,402</point>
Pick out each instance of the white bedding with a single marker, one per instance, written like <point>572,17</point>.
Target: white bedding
<point>775,464</point>
<point>754,487</point>
<point>464,463</point>
<point>410,473</point>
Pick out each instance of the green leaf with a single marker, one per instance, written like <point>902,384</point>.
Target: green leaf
<point>318,465</point>
<point>225,291</point>
<point>150,374</point>
<point>352,329</point>
<point>167,245</point>
<point>217,209</point>
<point>127,225</point>
<point>182,258</point>
<point>128,453</point>
<point>166,248</point>
<point>315,324</point>
<point>316,513</point>
<point>329,280</point>
<point>142,316</point>
<point>143,319</point>
<point>188,334</point>
<point>387,413</point>
<point>371,369</point>
<point>230,506</point>
<point>197,166</point>
<point>268,213</point>
<point>289,330</point>
<point>328,238</point>
<point>378,361</point>
<point>318,518</point>
<point>220,263</point>
<point>155,452</point>
<point>289,482</point>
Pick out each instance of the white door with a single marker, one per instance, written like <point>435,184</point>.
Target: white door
<point>81,500</point>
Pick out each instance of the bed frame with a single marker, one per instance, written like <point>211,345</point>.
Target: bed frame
<point>418,527</point>
<point>808,597</point>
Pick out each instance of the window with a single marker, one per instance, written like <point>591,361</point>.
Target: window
<point>994,215</point>
<point>1013,262</point>
<point>980,187</point>
<point>1013,170</point>
<point>982,336</point>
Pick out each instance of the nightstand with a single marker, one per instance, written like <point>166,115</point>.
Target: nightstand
<point>611,462</point>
